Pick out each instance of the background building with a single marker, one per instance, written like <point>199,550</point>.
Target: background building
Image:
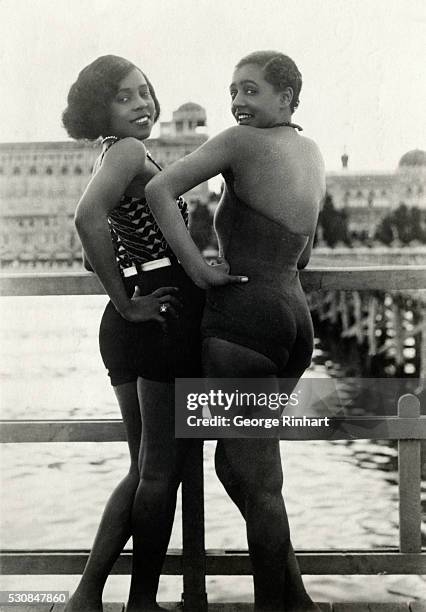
<point>368,196</point>
<point>41,182</point>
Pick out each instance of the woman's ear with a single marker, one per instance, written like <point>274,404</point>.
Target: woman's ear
<point>287,97</point>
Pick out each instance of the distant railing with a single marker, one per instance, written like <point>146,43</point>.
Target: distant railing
<point>193,562</point>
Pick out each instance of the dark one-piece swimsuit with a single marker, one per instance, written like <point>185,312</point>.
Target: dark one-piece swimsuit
<point>269,314</point>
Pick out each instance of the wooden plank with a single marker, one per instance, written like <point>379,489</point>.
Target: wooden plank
<point>409,470</point>
<point>236,563</point>
<point>220,562</point>
<point>364,278</point>
<point>106,607</point>
<point>231,607</point>
<point>418,606</point>
<point>27,608</point>
<point>385,278</point>
<point>350,607</point>
<point>50,283</point>
<point>64,562</point>
<point>194,563</point>
<point>62,431</point>
<point>341,428</point>
<point>389,607</point>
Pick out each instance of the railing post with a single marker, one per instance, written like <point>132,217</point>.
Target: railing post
<point>357,302</point>
<point>409,481</point>
<point>194,559</point>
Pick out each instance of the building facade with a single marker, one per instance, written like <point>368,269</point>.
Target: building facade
<point>369,196</point>
<point>41,182</point>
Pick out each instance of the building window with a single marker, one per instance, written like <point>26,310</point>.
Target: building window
<point>16,170</point>
<point>1,169</point>
<point>409,191</point>
<point>33,170</point>
<point>420,190</point>
<point>49,170</point>
<point>78,170</point>
<point>64,170</point>
<point>359,194</point>
<point>384,192</point>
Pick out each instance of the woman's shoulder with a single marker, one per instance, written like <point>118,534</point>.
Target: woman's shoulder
<point>238,141</point>
<point>237,135</point>
<point>310,146</point>
<point>127,152</point>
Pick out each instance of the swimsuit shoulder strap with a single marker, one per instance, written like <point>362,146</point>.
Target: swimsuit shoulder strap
<point>149,156</point>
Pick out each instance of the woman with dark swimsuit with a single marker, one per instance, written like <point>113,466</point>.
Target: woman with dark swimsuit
<point>262,328</point>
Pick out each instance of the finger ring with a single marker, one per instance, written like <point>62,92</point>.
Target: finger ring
<point>164,308</point>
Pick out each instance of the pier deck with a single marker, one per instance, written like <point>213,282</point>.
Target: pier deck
<point>412,606</point>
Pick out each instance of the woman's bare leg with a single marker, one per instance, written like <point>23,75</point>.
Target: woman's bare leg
<point>295,595</point>
<point>115,526</point>
<point>256,489</point>
<point>161,462</point>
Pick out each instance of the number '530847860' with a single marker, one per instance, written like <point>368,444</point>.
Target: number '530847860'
<point>33,597</point>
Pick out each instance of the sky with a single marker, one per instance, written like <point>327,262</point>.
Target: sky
<point>362,63</point>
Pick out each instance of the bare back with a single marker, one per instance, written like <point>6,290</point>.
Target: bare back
<point>280,174</point>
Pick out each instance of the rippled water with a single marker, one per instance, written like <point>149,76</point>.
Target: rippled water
<point>338,494</point>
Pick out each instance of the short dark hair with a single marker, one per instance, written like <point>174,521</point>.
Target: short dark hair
<point>279,70</point>
<point>87,115</point>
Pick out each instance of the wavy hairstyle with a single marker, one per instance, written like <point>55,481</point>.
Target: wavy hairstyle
<point>279,70</point>
<point>87,115</point>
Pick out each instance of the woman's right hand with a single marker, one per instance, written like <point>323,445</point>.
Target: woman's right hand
<point>217,275</point>
<point>147,307</point>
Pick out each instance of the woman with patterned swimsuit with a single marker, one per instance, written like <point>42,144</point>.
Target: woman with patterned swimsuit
<point>147,262</point>
<point>261,327</point>
<point>150,329</point>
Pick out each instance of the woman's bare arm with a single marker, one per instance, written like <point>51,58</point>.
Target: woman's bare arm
<point>121,164</point>
<point>211,159</point>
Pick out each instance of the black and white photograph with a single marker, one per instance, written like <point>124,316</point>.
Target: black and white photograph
<point>213,306</point>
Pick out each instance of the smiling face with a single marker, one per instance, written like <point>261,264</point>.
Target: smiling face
<point>132,109</point>
<point>255,102</point>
